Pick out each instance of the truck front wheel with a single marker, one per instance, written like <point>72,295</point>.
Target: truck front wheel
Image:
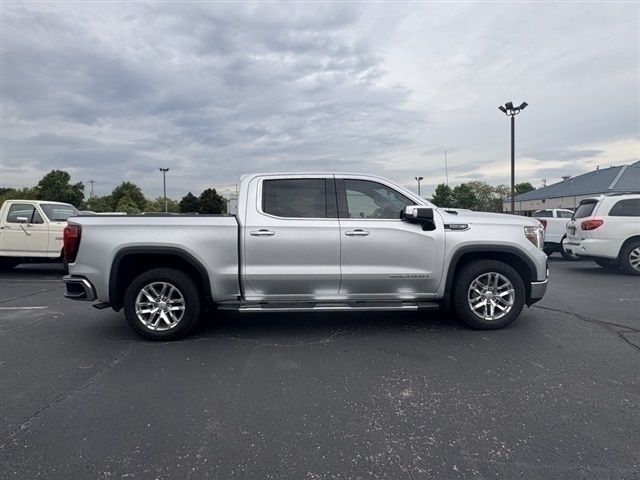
<point>488,294</point>
<point>162,304</point>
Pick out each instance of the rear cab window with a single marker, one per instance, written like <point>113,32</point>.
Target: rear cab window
<point>543,213</point>
<point>562,214</point>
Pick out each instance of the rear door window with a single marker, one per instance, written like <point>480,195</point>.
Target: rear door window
<point>626,208</point>
<point>585,209</point>
<point>562,214</point>
<point>296,198</point>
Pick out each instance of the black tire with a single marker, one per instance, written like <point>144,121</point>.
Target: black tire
<point>186,289</point>
<point>470,272</point>
<point>7,263</point>
<point>606,263</point>
<point>629,256</point>
<point>571,257</point>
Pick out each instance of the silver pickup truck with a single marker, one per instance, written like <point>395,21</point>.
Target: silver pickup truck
<point>308,242</point>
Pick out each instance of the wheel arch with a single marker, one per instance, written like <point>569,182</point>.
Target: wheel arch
<point>634,238</point>
<point>130,262</point>
<point>510,255</point>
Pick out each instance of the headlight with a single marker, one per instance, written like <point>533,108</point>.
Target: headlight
<point>535,236</point>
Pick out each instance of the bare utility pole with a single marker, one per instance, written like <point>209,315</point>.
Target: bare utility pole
<point>91,182</point>
<point>164,187</point>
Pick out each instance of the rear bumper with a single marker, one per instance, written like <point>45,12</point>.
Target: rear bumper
<point>592,247</point>
<point>79,288</point>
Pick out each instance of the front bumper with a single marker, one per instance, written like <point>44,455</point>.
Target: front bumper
<point>79,288</point>
<point>538,289</point>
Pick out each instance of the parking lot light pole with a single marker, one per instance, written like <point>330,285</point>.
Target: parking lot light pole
<point>164,187</point>
<point>419,179</point>
<point>512,111</point>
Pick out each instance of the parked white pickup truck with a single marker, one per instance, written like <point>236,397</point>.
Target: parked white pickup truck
<point>554,221</point>
<point>31,230</point>
<point>308,242</point>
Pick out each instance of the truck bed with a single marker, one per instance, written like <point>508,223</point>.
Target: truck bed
<point>211,240</point>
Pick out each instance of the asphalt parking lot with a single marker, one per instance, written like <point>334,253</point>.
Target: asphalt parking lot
<point>322,396</point>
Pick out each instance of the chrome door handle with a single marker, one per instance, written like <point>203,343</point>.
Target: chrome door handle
<point>357,233</point>
<point>263,232</point>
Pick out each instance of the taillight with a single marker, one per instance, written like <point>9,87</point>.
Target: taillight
<point>544,223</point>
<point>591,224</point>
<point>71,239</point>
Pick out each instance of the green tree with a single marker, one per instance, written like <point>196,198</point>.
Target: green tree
<point>212,202</point>
<point>443,196</point>
<point>189,203</point>
<point>127,204</point>
<point>55,186</point>
<point>502,193</point>
<point>15,194</point>
<point>157,205</point>
<point>485,195</point>
<point>131,190</point>
<point>99,204</point>
<point>463,196</point>
<point>523,187</point>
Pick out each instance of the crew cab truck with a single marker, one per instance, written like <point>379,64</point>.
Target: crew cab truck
<point>31,230</point>
<point>554,221</point>
<point>308,242</point>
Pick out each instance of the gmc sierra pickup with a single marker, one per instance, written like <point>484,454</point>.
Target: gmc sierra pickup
<point>303,242</point>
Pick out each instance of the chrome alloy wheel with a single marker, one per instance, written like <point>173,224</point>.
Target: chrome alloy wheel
<point>491,296</point>
<point>159,306</point>
<point>634,258</point>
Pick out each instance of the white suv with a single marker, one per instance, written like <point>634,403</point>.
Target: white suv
<point>607,229</point>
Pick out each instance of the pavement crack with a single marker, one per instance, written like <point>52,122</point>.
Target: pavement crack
<point>585,318</point>
<point>63,398</point>
<point>33,294</point>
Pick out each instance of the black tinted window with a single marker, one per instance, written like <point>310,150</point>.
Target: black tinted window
<point>367,199</point>
<point>295,197</point>
<point>626,208</point>
<point>565,214</point>
<point>20,210</point>
<point>584,210</point>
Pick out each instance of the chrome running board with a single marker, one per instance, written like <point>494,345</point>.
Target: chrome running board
<point>327,307</point>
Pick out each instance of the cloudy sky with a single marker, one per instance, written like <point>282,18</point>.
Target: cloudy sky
<point>112,91</point>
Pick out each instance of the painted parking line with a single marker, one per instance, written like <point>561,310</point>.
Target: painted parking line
<point>23,308</point>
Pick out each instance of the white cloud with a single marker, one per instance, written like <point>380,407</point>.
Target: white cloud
<point>113,91</point>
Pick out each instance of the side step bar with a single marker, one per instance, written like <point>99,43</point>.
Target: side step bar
<point>329,307</point>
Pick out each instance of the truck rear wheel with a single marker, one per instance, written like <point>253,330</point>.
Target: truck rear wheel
<point>488,294</point>
<point>7,263</point>
<point>162,304</point>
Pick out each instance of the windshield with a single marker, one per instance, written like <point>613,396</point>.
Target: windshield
<point>57,212</point>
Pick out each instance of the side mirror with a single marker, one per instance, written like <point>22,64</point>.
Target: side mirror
<point>22,219</point>
<point>420,215</point>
